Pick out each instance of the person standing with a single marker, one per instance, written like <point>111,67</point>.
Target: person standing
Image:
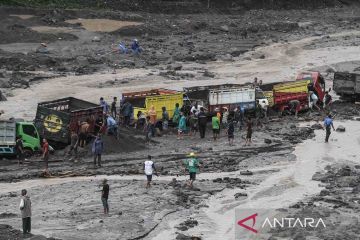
<point>215,126</point>
<point>182,126</point>
<point>127,111</point>
<point>111,126</point>
<point>153,115</point>
<point>328,124</point>
<point>105,196</point>
<point>248,132</point>
<point>46,153</point>
<point>193,123</point>
<point>192,165</point>
<point>149,169</point>
<point>25,208</point>
<point>202,120</point>
<point>176,115</point>
<point>165,118</point>
<point>225,117</point>
<point>327,100</point>
<point>74,142</point>
<point>104,105</point>
<point>83,133</point>
<point>113,108</point>
<point>230,131</point>
<point>19,147</point>
<point>97,149</point>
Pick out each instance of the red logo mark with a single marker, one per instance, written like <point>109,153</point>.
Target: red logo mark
<point>253,217</point>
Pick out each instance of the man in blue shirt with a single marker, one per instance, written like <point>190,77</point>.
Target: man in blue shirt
<point>328,124</point>
<point>135,47</point>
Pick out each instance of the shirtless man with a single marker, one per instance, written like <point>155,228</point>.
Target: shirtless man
<point>83,133</point>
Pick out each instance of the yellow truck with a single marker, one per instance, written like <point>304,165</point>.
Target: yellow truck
<point>142,101</point>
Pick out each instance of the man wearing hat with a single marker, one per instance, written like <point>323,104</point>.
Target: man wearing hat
<point>192,164</point>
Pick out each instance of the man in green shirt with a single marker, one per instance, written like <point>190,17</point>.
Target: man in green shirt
<point>215,127</point>
<point>192,165</point>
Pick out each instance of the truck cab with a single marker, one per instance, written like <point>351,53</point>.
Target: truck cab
<point>316,83</point>
<point>10,130</point>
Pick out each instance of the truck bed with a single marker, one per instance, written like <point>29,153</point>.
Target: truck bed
<point>346,83</point>
<point>55,119</point>
<point>7,137</point>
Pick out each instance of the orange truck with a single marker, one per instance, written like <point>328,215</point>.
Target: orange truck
<point>280,94</point>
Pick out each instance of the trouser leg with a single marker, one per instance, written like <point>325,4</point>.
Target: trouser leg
<point>28,224</point>
<point>24,225</point>
<point>99,159</point>
<point>328,132</point>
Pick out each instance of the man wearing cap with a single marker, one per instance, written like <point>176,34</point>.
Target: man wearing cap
<point>105,196</point>
<point>135,47</point>
<point>192,164</point>
<point>328,124</point>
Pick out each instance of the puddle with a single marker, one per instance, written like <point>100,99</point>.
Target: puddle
<point>23,17</point>
<point>46,29</point>
<point>102,25</point>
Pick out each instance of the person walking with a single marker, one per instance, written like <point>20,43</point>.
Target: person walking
<point>328,124</point>
<point>149,169</point>
<point>182,126</point>
<point>176,115</point>
<point>327,101</point>
<point>192,165</point>
<point>97,149</point>
<point>112,126</point>
<point>19,147</point>
<point>46,153</point>
<point>193,122</point>
<point>215,126</point>
<point>25,208</point>
<point>105,196</point>
<point>202,120</point>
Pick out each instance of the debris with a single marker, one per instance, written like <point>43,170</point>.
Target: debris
<point>246,173</point>
<point>267,141</point>
<point>238,195</point>
<point>340,128</point>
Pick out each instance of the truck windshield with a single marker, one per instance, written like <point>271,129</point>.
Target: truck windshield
<point>30,130</point>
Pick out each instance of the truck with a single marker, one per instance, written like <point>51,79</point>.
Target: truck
<point>143,100</point>
<point>56,119</point>
<point>347,85</point>
<point>280,94</point>
<point>10,130</point>
<point>230,96</point>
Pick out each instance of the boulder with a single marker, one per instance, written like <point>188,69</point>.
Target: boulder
<point>246,173</point>
<point>96,39</point>
<point>317,126</point>
<point>224,28</point>
<point>340,128</point>
<point>267,141</point>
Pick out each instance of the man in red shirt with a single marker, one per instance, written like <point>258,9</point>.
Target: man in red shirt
<point>46,154</point>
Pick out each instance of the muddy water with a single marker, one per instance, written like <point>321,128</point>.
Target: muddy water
<point>102,25</point>
<point>282,62</point>
<point>286,187</point>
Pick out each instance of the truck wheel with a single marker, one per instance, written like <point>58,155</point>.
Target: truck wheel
<point>28,153</point>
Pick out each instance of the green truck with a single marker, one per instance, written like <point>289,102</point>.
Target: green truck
<point>10,129</point>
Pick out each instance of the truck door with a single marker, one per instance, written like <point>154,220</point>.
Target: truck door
<point>30,136</point>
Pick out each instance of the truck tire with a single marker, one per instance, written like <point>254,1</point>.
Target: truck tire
<point>28,153</point>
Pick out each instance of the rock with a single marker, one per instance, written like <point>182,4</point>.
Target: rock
<point>246,173</point>
<point>96,39</point>
<point>208,74</point>
<point>340,128</point>
<point>292,126</point>
<point>344,171</point>
<point>324,192</point>
<point>317,126</point>
<point>267,141</point>
<point>238,195</point>
<point>175,67</point>
<point>224,28</point>
<point>262,56</point>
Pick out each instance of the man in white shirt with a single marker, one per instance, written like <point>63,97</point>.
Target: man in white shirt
<point>314,100</point>
<point>149,169</point>
<point>25,208</point>
<point>264,104</point>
